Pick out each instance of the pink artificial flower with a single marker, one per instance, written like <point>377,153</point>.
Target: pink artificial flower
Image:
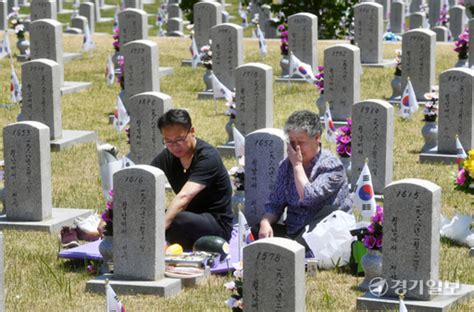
<point>371,228</point>
<point>340,149</point>
<point>345,129</point>
<point>345,139</point>
<point>110,205</point>
<point>461,177</point>
<point>378,242</point>
<point>320,68</point>
<point>348,150</point>
<point>105,216</point>
<point>377,218</point>
<point>369,241</point>
<point>121,60</point>
<point>349,122</point>
<point>91,269</point>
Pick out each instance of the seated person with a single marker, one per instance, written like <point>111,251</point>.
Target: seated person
<point>311,183</point>
<point>202,205</point>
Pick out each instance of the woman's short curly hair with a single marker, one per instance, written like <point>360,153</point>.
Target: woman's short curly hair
<point>303,121</point>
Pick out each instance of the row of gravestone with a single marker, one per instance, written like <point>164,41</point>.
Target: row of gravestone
<point>253,96</point>
<point>272,268</point>
<point>48,9</point>
<point>342,78</point>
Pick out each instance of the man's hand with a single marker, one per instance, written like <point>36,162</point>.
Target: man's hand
<point>265,229</point>
<point>294,155</point>
<point>168,222</point>
<point>182,200</point>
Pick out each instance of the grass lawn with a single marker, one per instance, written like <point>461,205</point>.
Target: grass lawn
<point>35,277</point>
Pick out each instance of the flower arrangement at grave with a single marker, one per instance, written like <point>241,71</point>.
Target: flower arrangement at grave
<point>116,37</point>
<point>462,45</point>
<point>430,111</point>
<point>398,62</point>
<point>374,238</point>
<point>344,139</point>
<point>17,24</point>
<point>237,177</point>
<point>465,174</point>
<point>444,16</point>
<point>120,73</point>
<point>319,83</point>
<point>283,29</point>
<point>206,56</point>
<point>107,216</point>
<point>236,287</point>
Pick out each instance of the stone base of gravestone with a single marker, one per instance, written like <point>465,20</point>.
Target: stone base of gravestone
<point>22,58</point>
<point>205,95</point>
<point>69,87</point>
<point>165,71</point>
<point>70,56</point>
<point>189,63</point>
<point>73,137</point>
<point>397,100</point>
<point>60,217</point>
<point>290,80</point>
<point>105,20</point>
<point>166,287</point>
<point>441,303</point>
<point>432,156</point>
<point>228,149</point>
<point>106,7</point>
<point>73,31</point>
<point>65,11</point>
<point>188,282</point>
<point>384,63</point>
<point>175,34</point>
<point>337,123</point>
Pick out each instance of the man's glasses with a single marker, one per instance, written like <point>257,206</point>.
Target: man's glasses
<point>178,141</point>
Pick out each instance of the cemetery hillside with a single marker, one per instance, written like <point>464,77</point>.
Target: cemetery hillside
<point>393,84</point>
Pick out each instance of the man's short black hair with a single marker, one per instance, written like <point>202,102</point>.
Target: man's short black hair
<point>175,117</point>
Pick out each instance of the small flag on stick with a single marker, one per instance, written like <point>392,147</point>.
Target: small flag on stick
<point>364,197</point>
<point>113,302</point>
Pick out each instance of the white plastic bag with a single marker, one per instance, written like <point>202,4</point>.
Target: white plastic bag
<point>458,229</point>
<point>330,241</point>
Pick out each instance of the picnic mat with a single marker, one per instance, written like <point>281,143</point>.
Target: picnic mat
<point>90,251</point>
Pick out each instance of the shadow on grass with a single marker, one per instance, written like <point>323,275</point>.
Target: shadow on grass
<point>450,242</point>
<point>81,266</point>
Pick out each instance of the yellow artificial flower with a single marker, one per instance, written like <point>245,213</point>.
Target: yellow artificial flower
<point>469,162</point>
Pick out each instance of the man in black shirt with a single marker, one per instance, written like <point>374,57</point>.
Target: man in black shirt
<point>194,169</point>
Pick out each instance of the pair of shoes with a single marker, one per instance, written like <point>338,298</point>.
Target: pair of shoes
<point>69,237</point>
<point>87,228</point>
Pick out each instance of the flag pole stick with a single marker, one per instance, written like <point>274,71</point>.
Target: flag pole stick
<point>106,284</point>
<point>290,53</point>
